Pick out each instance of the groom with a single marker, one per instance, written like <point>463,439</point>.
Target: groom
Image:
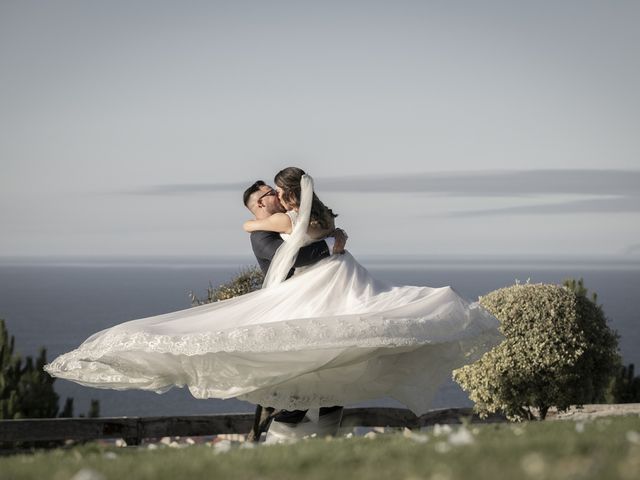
<point>263,202</point>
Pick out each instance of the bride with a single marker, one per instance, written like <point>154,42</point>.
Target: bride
<point>330,335</point>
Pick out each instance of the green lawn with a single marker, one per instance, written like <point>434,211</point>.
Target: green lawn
<point>603,448</point>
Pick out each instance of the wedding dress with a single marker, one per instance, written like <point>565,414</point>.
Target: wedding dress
<point>330,335</point>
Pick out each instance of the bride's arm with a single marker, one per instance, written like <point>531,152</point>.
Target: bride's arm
<point>278,222</point>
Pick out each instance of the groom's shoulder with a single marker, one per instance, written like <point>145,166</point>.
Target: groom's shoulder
<point>263,236</point>
<point>265,244</point>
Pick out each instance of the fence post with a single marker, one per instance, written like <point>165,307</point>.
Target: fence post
<point>137,439</point>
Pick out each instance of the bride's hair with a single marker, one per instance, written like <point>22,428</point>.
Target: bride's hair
<point>288,180</point>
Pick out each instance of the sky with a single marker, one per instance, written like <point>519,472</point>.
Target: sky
<point>430,127</point>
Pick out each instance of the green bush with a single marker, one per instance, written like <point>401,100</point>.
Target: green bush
<point>558,351</point>
<point>625,387</point>
<point>26,390</point>
<point>245,281</point>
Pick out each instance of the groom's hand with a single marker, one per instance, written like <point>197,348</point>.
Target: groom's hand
<point>341,240</point>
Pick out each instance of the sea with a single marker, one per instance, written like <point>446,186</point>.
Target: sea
<point>57,302</point>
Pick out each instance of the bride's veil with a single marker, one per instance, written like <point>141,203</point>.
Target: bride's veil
<point>285,256</point>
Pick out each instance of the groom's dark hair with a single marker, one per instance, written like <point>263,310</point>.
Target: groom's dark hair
<point>251,190</point>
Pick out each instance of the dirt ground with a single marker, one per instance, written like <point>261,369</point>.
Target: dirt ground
<point>588,412</point>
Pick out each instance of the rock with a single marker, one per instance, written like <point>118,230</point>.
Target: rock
<point>461,437</point>
<point>88,474</point>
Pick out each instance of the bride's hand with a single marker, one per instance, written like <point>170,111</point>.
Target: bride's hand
<point>341,241</point>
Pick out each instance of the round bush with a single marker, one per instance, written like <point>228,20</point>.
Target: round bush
<point>558,351</point>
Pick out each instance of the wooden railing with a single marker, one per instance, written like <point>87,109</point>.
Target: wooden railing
<point>134,429</point>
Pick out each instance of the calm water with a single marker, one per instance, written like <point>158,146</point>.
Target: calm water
<point>59,303</point>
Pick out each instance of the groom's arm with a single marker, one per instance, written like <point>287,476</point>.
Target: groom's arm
<point>312,253</point>
<point>265,244</point>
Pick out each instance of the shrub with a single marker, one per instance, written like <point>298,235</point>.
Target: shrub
<point>26,390</point>
<point>245,281</point>
<point>558,351</point>
<point>625,387</point>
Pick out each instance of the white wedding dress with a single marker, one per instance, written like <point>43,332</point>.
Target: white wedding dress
<point>330,335</point>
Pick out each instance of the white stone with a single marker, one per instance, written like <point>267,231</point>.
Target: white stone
<point>415,437</point>
<point>441,429</point>
<point>461,437</point>
<point>88,474</point>
<point>222,446</point>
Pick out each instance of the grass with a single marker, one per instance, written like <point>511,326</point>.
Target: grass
<point>602,448</point>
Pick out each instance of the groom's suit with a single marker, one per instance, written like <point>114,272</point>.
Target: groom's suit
<point>264,246</point>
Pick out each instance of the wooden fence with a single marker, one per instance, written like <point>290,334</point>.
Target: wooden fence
<point>134,429</point>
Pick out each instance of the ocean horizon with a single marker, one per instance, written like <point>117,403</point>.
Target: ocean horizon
<point>58,301</point>
<point>535,261</point>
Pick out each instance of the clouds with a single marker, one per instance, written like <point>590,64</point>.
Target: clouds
<point>187,188</point>
<point>607,191</point>
<point>624,204</point>
<point>470,183</point>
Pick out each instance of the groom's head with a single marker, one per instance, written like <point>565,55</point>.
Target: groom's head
<point>262,200</point>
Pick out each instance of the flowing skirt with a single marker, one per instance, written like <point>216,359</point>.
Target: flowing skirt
<point>330,335</point>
